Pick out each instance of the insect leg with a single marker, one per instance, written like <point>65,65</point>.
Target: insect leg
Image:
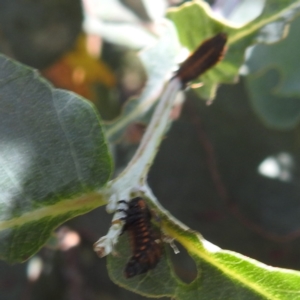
<point>123,201</point>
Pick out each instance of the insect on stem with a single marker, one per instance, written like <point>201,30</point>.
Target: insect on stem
<point>145,244</point>
<point>203,58</point>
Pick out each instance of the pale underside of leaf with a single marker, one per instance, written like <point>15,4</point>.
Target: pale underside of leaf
<point>158,60</point>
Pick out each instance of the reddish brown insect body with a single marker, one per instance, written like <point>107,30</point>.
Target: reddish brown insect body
<point>146,248</point>
<point>203,58</point>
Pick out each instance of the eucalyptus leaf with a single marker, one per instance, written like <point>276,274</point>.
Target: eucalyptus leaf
<point>53,159</point>
<point>221,275</point>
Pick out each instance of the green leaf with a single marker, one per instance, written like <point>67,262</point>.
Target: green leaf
<point>234,275</point>
<point>53,159</point>
<point>273,83</point>
<point>221,274</point>
<point>195,22</point>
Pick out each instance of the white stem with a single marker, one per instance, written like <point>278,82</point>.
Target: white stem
<point>135,173</point>
<point>144,156</point>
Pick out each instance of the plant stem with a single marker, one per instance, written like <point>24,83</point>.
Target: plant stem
<point>139,165</point>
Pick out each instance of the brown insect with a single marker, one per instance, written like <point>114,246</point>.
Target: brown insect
<point>146,247</point>
<point>203,58</point>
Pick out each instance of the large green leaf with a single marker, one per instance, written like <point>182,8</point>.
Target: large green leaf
<point>221,274</point>
<point>273,82</point>
<point>196,22</point>
<point>53,158</point>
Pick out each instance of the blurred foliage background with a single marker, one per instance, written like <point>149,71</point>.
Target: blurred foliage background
<point>229,170</point>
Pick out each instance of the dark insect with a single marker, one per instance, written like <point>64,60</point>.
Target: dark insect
<point>145,245</point>
<point>203,58</point>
